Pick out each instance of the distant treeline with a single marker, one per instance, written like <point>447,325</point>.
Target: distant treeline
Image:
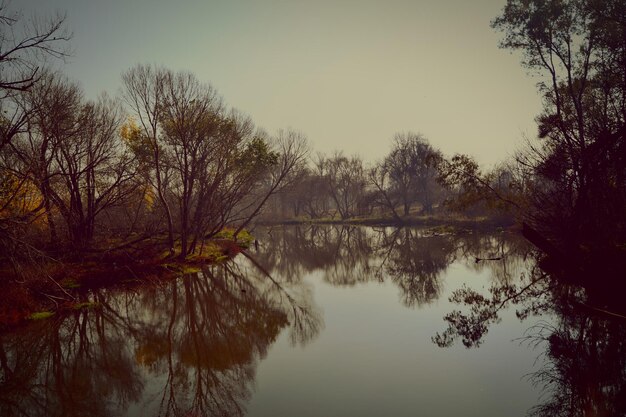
<point>412,181</point>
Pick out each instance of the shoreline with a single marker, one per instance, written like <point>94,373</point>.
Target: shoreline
<point>57,287</point>
<point>482,223</point>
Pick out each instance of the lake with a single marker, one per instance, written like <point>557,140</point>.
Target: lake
<point>326,321</point>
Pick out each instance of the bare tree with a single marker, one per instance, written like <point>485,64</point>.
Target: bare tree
<point>73,154</point>
<point>412,169</point>
<point>144,90</point>
<point>191,122</point>
<point>97,169</point>
<point>292,149</point>
<point>346,182</point>
<point>203,160</point>
<point>379,177</point>
<point>51,108</point>
<point>25,44</point>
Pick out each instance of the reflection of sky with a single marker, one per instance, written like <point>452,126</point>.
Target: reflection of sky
<point>375,358</point>
<point>349,74</point>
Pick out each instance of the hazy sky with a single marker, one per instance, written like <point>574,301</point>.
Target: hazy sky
<point>349,74</point>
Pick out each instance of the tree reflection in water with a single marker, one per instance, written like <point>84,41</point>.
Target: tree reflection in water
<point>191,347</point>
<point>582,364</point>
<point>200,337</point>
<point>583,368</point>
<point>413,259</point>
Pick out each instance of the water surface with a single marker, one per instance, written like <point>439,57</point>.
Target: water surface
<point>319,321</point>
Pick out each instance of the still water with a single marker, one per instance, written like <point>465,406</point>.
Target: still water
<point>322,321</point>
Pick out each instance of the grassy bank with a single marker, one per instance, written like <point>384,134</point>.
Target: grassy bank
<point>45,288</point>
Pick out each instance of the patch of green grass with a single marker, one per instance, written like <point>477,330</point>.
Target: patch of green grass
<point>40,315</point>
<point>244,238</point>
<point>190,269</point>
<point>226,233</point>
<point>80,306</point>
<point>210,251</point>
<point>182,268</point>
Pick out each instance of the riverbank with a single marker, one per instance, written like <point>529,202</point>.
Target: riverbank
<point>457,223</point>
<point>42,290</point>
<point>48,287</point>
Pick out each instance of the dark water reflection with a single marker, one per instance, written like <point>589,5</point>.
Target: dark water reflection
<point>308,326</point>
<point>412,258</point>
<point>189,347</point>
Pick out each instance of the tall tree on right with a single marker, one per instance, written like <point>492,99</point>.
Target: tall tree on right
<point>578,47</point>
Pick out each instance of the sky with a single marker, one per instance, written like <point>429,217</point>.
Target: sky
<point>348,74</point>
